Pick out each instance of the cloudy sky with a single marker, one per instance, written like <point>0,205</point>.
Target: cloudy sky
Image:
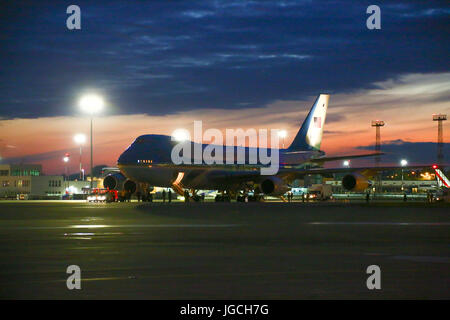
<point>163,64</point>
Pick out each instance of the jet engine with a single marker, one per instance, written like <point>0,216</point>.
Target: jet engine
<point>130,186</point>
<point>114,181</point>
<point>274,186</point>
<point>118,181</point>
<point>355,182</point>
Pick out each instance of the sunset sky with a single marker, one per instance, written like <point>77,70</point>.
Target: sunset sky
<point>160,65</point>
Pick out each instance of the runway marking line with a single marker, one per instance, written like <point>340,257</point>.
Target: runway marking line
<point>99,226</point>
<point>433,224</point>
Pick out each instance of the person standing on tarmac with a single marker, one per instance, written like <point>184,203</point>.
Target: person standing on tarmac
<point>170,196</point>
<point>164,195</point>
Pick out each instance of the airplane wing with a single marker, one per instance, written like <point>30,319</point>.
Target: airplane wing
<point>325,159</point>
<point>290,174</point>
<point>365,171</point>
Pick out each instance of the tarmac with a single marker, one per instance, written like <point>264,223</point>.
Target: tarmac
<point>224,250</point>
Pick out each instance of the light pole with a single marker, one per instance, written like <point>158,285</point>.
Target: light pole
<point>403,163</point>
<point>91,104</point>
<point>80,139</point>
<point>66,160</point>
<point>282,134</point>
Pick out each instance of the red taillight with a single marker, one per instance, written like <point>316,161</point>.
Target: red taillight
<point>435,166</point>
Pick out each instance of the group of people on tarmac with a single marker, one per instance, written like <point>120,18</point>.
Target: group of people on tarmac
<point>144,196</point>
<point>290,196</point>
<point>430,197</point>
<point>169,196</point>
<point>124,196</point>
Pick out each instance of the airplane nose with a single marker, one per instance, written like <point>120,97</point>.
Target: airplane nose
<point>125,158</point>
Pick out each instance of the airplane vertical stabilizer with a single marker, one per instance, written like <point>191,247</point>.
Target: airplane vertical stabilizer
<point>441,178</point>
<point>309,137</point>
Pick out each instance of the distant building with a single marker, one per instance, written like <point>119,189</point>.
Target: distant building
<point>27,179</point>
<point>413,186</point>
<point>23,170</point>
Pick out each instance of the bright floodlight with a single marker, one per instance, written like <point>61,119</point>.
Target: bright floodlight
<point>91,103</point>
<point>403,162</point>
<point>346,163</point>
<point>181,135</point>
<point>79,138</point>
<point>282,133</point>
<point>66,159</point>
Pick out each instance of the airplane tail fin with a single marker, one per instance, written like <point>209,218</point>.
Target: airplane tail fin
<point>309,137</point>
<point>441,178</point>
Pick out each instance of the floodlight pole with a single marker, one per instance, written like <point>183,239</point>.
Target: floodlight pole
<point>92,158</point>
<point>440,143</point>
<point>378,124</point>
<point>402,180</point>
<point>81,169</point>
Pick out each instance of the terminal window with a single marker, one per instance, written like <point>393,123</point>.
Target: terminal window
<point>4,172</point>
<point>31,172</point>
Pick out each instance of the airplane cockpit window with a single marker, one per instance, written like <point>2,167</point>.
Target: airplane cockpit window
<point>140,140</point>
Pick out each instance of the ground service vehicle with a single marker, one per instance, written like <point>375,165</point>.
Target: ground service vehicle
<point>320,192</point>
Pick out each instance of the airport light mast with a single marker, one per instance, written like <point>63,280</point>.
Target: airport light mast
<point>91,104</point>
<point>66,160</point>
<point>403,163</point>
<point>440,154</point>
<point>80,139</point>
<point>378,124</point>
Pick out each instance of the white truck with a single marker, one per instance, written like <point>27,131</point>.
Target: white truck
<point>320,192</point>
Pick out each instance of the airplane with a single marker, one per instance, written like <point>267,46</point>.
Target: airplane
<point>147,163</point>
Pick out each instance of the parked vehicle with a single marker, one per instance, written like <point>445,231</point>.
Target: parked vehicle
<point>320,192</point>
<point>442,195</point>
<point>102,195</point>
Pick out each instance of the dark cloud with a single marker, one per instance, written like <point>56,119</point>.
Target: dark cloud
<point>162,57</point>
<point>414,152</point>
<point>37,158</point>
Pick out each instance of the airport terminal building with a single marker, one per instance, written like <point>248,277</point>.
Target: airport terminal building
<point>27,180</point>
